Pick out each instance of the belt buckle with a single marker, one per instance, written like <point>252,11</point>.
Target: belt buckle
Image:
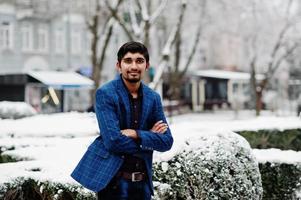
<point>134,174</point>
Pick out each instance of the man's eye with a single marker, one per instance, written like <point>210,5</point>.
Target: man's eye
<point>127,61</point>
<point>140,61</point>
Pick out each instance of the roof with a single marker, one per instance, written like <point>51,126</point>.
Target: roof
<point>222,74</point>
<point>62,80</point>
<point>13,79</point>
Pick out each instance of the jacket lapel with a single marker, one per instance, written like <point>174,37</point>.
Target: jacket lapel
<point>146,103</point>
<point>125,100</point>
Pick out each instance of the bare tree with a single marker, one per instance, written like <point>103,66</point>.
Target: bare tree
<point>177,72</point>
<point>141,17</point>
<point>100,24</point>
<point>281,48</point>
<point>174,43</point>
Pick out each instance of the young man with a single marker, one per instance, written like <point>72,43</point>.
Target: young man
<point>118,164</point>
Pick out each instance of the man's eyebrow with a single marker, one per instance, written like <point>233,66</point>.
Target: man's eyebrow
<point>134,58</point>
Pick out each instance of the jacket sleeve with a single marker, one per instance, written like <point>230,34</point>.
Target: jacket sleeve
<point>155,141</point>
<point>109,125</point>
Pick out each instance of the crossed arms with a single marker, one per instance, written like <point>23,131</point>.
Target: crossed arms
<point>124,141</point>
<point>159,127</point>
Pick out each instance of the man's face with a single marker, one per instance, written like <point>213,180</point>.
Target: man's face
<point>132,67</point>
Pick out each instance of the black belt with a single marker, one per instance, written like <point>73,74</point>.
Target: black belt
<point>134,176</point>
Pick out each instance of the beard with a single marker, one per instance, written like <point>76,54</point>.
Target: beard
<point>133,79</point>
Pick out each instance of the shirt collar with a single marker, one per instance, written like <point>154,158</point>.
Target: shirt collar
<point>140,93</point>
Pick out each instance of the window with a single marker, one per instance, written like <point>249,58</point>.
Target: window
<point>75,42</point>
<point>6,35</point>
<point>27,37</point>
<point>42,39</point>
<point>235,88</point>
<point>60,42</point>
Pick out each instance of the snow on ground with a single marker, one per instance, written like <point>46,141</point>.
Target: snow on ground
<point>277,156</point>
<point>47,159</point>
<point>53,144</point>
<point>62,124</point>
<point>15,110</point>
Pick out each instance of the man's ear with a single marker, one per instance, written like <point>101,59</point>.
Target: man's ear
<point>118,67</point>
<point>147,66</point>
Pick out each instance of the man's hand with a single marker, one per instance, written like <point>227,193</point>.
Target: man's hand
<point>159,127</point>
<point>129,133</point>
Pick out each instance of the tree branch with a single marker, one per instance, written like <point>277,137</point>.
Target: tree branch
<point>158,11</point>
<point>288,52</point>
<point>278,45</point>
<point>119,20</point>
<point>165,57</point>
<point>135,27</point>
<point>144,10</point>
<point>178,38</point>
<point>195,44</point>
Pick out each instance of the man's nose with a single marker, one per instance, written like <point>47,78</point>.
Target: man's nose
<point>134,65</point>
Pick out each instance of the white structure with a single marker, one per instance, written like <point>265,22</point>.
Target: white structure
<point>218,88</point>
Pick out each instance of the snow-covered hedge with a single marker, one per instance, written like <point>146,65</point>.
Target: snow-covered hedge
<point>281,180</point>
<point>218,166</point>
<point>15,110</point>
<point>274,138</point>
<point>32,189</point>
<point>279,156</point>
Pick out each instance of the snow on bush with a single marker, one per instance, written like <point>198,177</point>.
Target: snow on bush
<point>214,166</point>
<point>15,110</point>
<point>32,189</point>
<point>281,180</point>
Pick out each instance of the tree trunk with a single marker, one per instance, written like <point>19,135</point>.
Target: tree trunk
<point>98,67</point>
<point>96,59</point>
<point>94,43</point>
<point>258,102</point>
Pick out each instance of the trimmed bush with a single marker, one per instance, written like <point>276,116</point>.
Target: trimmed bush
<point>30,189</point>
<point>264,139</point>
<point>220,167</point>
<point>7,158</point>
<point>280,180</point>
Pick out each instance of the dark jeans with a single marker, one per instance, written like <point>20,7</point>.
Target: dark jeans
<point>123,189</point>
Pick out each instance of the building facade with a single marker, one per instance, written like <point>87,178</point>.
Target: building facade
<point>44,36</point>
<point>30,40</point>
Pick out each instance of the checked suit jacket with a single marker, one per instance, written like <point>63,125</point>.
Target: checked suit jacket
<point>105,155</point>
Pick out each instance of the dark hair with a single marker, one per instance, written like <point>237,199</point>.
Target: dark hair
<point>132,47</point>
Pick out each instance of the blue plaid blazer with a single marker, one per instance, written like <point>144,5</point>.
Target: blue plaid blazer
<point>105,155</point>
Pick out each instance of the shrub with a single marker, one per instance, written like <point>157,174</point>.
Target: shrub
<point>220,167</point>
<point>30,189</point>
<point>7,158</point>
<point>264,139</point>
<point>280,180</point>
